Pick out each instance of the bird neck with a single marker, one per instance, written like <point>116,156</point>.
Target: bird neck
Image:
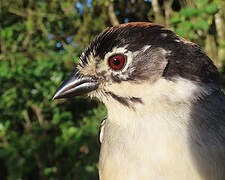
<point>162,103</point>
<point>157,134</point>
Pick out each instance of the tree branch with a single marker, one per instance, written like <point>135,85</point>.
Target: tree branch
<point>28,127</point>
<point>27,124</point>
<point>112,15</point>
<point>17,12</point>
<point>219,21</point>
<point>3,48</point>
<point>38,113</point>
<point>159,19</point>
<point>220,28</point>
<point>168,11</point>
<point>212,50</point>
<point>4,140</point>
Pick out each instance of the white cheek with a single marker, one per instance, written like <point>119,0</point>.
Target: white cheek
<point>103,66</point>
<point>89,68</point>
<point>180,90</point>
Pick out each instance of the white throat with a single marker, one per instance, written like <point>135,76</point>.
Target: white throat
<point>149,130</point>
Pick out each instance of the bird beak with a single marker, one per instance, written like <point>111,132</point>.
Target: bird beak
<point>76,85</point>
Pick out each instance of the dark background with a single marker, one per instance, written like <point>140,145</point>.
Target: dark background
<point>40,44</point>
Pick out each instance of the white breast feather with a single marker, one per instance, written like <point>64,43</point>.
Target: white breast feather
<point>151,142</point>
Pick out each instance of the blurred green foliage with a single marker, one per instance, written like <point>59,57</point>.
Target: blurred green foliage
<point>189,20</point>
<point>40,44</point>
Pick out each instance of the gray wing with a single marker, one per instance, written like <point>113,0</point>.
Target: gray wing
<point>207,136</point>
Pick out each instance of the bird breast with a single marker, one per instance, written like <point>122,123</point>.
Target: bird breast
<point>150,141</point>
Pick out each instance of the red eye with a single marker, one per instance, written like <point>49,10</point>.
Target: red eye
<point>117,62</point>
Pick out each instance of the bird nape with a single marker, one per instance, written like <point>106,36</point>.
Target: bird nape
<point>165,108</point>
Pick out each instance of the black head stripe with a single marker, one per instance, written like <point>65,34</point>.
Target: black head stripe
<point>126,101</point>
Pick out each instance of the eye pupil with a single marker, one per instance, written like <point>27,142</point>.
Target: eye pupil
<point>117,62</point>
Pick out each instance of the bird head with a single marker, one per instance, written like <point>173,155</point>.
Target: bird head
<point>126,64</point>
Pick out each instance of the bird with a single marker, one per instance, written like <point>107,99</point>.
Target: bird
<point>164,100</point>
